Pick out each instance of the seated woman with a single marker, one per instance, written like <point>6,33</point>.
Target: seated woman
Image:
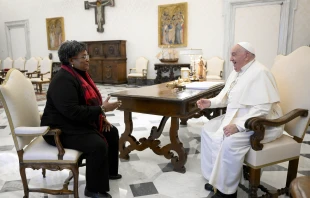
<point>75,106</point>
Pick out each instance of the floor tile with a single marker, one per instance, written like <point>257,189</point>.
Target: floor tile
<point>143,189</point>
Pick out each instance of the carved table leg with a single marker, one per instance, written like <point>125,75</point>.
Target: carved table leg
<point>126,136</point>
<point>156,132</point>
<point>176,145</point>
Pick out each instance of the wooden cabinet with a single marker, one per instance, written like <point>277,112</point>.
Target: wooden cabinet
<point>168,71</point>
<point>107,61</point>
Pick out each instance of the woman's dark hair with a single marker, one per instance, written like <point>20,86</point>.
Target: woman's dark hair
<point>70,49</point>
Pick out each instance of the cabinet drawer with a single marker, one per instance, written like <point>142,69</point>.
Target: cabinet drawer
<point>191,106</point>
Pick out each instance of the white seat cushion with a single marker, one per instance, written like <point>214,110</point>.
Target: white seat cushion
<point>135,75</point>
<point>273,152</point>
<point>39,80</point>
<point>24,131</point>
<point>39,151</point>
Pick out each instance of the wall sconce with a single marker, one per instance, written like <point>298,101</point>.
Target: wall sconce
<point>192,53</point>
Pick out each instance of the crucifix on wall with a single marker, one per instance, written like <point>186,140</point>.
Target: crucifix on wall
<point>99,11</point>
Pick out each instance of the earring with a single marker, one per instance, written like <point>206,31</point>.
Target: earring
<point>72,65</point>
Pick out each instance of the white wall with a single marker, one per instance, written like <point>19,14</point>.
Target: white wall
<point>263,34</point>
<point>134,21</point>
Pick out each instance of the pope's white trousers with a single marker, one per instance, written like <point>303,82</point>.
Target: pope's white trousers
<point>222,157</point>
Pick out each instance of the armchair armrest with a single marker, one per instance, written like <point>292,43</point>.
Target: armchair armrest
<point>257,124</point>
<point>42,74</point>
<point>56,133</point>
<point>144,72</point>
<point>221,74</point>
<point>29,75</point>
<point>132,69</point>
<point>31,131</point>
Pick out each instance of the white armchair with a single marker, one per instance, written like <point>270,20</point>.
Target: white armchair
<point>294,99</point>
<point>140,70</point>
<point>32,67</point>
<point>7,63</point>
<point>215,68</point>
<point>19,101</point>
<point>19,63</point>
<point>44,74</point>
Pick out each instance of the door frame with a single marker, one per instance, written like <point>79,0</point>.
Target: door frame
<point>288,8</point>
<point>17,24</point>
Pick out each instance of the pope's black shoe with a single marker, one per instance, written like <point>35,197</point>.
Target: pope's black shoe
<point>114,177</point>
<point>96,195</point>
<point>209,187</point>
<point>219,194</point>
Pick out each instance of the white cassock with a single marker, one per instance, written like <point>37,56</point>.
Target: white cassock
<point>251,92</point>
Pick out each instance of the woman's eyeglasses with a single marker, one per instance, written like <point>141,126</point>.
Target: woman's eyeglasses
<point>85,57</point>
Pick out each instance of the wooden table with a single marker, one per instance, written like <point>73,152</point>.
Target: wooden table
<point>163,101</point>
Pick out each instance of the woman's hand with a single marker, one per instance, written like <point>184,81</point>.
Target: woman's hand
<point>110,106</point>
<point>106,125</point>
<point>203,103</point>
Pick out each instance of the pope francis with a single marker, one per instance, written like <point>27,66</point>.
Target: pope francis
<point>250,90</point>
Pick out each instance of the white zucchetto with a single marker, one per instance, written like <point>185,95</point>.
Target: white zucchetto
<point>247,46</point>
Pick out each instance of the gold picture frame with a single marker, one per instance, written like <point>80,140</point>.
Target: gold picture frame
<point>55,31</point>
<point>172,25</point>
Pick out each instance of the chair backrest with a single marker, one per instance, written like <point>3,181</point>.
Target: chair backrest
<point>141,63</point>
<point>292,76</point>
<point>31,65</point>
<point>7,63</point>
<point>215,66</point>
<point>20,105</point>
<point>39,61</point>
<point>19,63</point>
<point>46,66</point>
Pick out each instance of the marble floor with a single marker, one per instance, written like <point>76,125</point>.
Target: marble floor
<point>146,175</point>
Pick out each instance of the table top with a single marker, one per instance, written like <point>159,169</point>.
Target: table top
<point>161,100</point>
<point>161,92</point>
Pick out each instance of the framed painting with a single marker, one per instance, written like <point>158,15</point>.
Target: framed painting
<point>55,32</point>
<point>172,25</point>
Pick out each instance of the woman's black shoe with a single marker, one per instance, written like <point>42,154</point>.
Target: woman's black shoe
<point>96,195</point>
<point>219,194</point>
<point>114,177</point>
<point>209,187</point>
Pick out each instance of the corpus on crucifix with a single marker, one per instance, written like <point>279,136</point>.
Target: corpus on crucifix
<point>99,11</point>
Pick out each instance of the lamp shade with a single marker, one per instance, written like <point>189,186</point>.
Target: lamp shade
<point>191,52</point>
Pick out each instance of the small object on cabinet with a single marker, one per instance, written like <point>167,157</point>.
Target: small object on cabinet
<point>168,55</point>
<point>185,73</point>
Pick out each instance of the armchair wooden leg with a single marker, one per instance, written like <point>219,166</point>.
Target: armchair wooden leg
<point>75,172</point>
<point>40,87</point>
<point>291,172</point>
<point>44,172</point>
<point>67,181</point>
<point>22,171</point>
<point>254,182</point>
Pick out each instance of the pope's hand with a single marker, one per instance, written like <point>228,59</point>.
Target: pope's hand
<point>203,103</point>
<point>230,129</point>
